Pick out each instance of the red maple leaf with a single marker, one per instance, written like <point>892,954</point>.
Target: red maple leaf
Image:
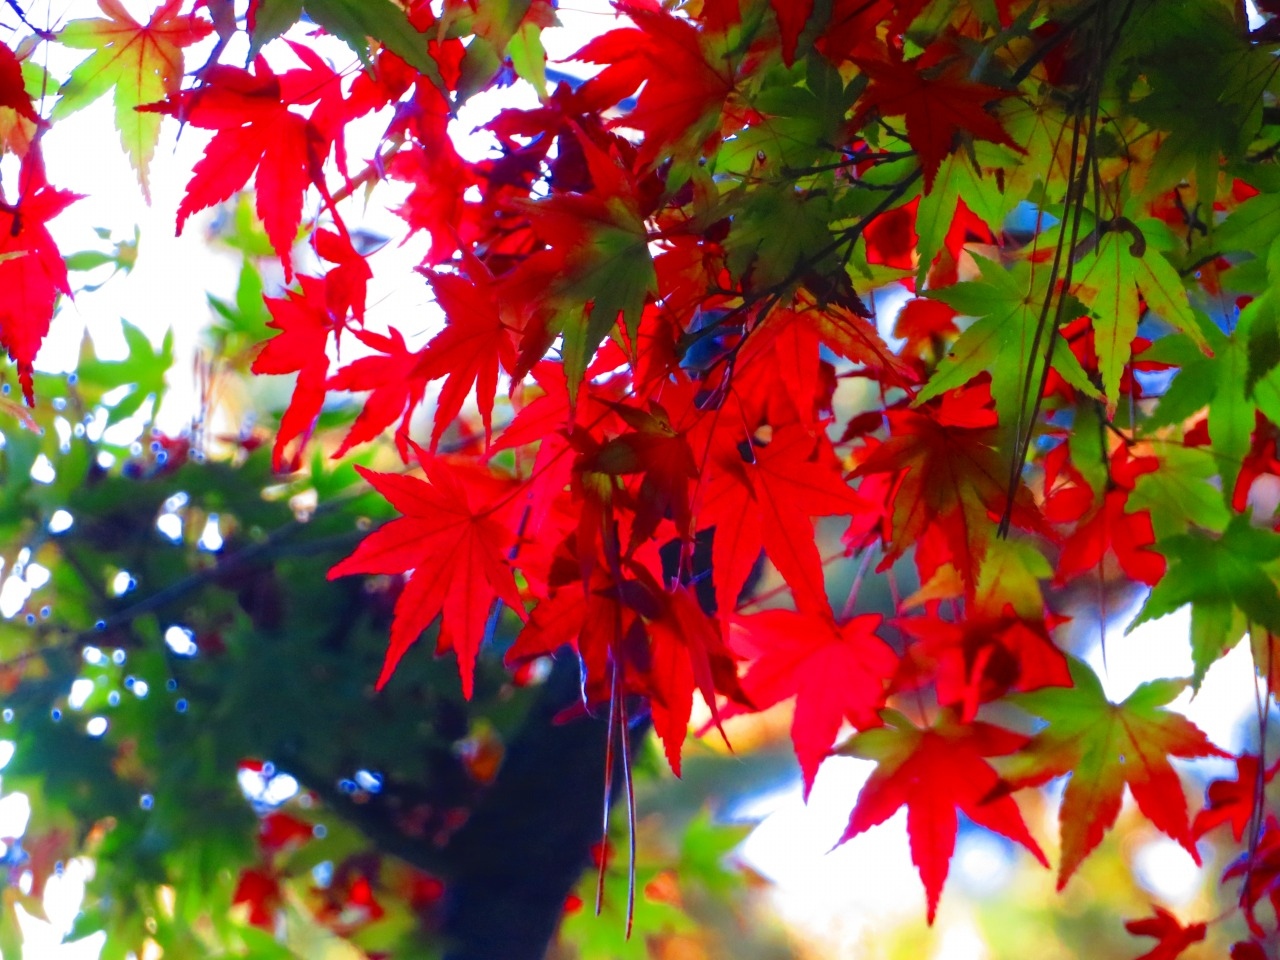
<point>1261,869</point>
<point>453,539</point>
<point>1127,536</point>
<point>846,333</point>
<point>13,92</point>
<point>625,627</point>
<point>890,237</point>
<point>655,452</point>
<point>950,478</point>
<point>934,772</point>
<point>1232,801</point>
<point>347,282</point>
<point>257,131</point>
<point>429,161</point>
<point>937,100</point>
<point>686,86</point>
<point>792,15</point>
<point>469,350</point>
<point>396,383</point>
<point>685,651</point>
<point>925,324</point>
<point>850,23</point>
<point>836,672</point>
<point>1166,928</point>
<point>305,323</point>
<point>766,501</point>
<point>32,272</point>
<point>981,658</point>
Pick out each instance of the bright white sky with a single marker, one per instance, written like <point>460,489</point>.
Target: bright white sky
<point>835,896</point>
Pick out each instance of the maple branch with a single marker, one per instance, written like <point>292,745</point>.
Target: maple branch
<point>373,171</point>
<point>793,173</point>
<point>42,34</point>
<point>1024,429</point>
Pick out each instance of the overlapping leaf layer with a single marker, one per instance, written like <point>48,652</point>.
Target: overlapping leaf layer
<point>667,292</point>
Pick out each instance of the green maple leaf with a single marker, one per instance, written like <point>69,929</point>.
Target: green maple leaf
<point>143,369</point>
<point>1008,303</point>
<point>142,64</point>
<point>1178,493</point>
<point>1219,382</point>
<point>1251,227</point>
<point>1208,112</point>
<point>803,110</point>
<point>775,231</point>
<point>1122,266</point>
<point>1230,581</point>
<point>957,180</point>
<point>1106,746</point>
<point>1043,128</point>
<point>613,272</point>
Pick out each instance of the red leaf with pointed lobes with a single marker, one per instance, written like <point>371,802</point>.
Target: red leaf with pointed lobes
<point>471,348</point>
<point>1165,927</point>
<point>455,541</point>
<point>935,771</point>
<point>836,671</point>
<point>1105,747</point>
<point>685,652</point>
<point>13,92</point>
<point>1127,536</point>
<point>657,452</point>
<point>435,204</point>
<point>32,272</point>
<point>792,15</point>
<point>847,334</point>
<point>686,86</point>
<point>925,324</point>
<point>1262,866</point>
<point>660,642</point>
<point>850,24</point>
<point>937,101</point>
<point>395,379</point>
<point>305,323</point>
<point>950,477</point>
<point>980,659</point>
<point>890,237</point>
<point>347,282</point>
<point>1232,801</point>
<point>256,130</point>
<point>767,502</point>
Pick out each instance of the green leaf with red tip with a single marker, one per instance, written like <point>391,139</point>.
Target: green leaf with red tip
<point>1105,747</point>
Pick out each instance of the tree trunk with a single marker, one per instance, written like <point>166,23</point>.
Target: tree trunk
<point>528,842</point>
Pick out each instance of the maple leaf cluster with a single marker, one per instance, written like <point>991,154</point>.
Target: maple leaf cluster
<point>660,291</point>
